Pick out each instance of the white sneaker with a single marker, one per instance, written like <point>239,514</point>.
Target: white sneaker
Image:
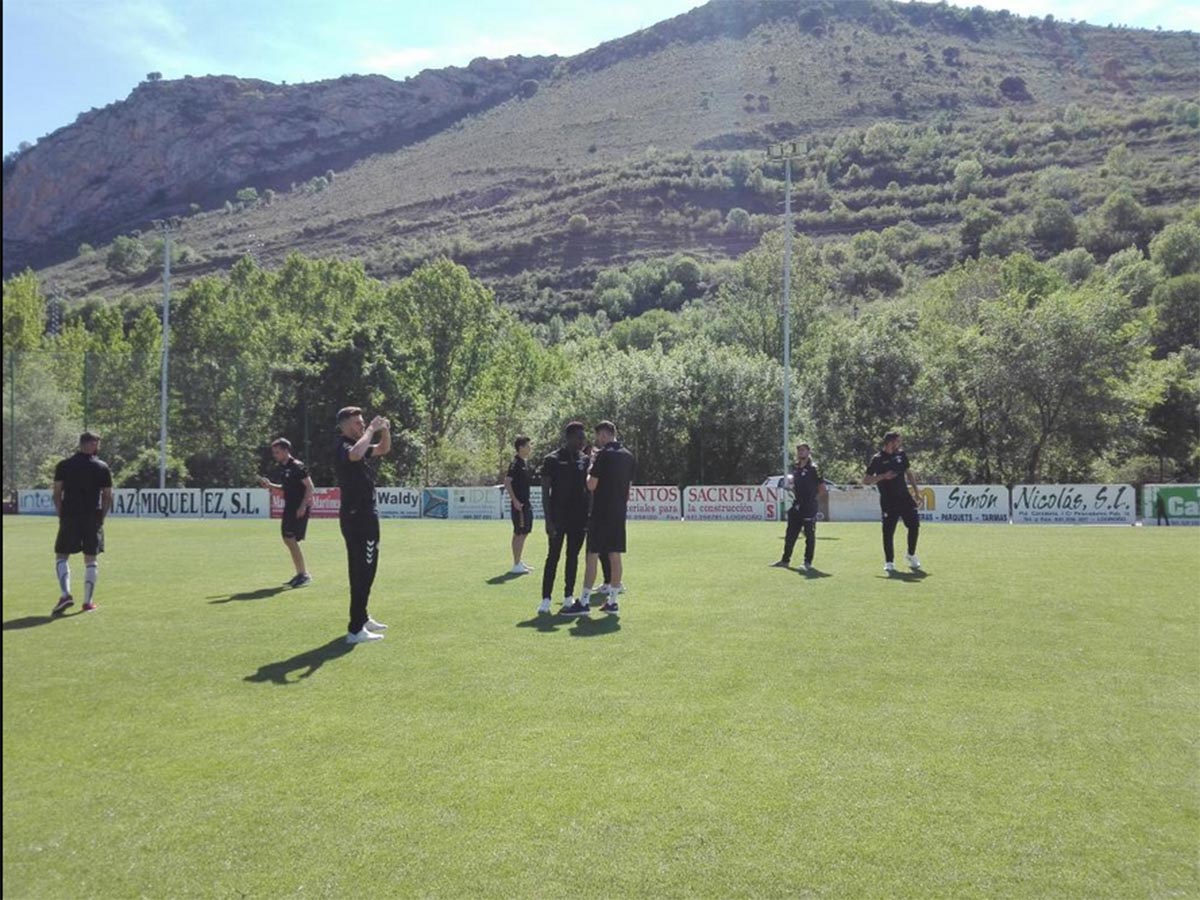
<point>544,606</point>
<point>518,569</point>
<point>913,562</point>
<point>889,568</point>
<point>526,566</point>
<point>375,626</point>
<point>362,637</point>
<point>805,568</point>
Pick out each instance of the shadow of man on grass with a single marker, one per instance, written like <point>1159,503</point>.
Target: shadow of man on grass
<point>546,622</point>
<point>585,626</point>
<point>917,576</point>
<point>260,594</point>
<point>506,578</point>
<point>305,663</point>
<point>35,621</point>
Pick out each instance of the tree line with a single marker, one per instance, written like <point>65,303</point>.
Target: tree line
<point>1002,369</point>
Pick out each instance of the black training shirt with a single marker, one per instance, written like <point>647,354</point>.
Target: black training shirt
<point>893,492</point>
<point>291,475</point>
<point>805,481</point>
<point>613,467</point>
<point>83,477</point>
<point>564,488</point>
<point>356,479</point>
<point>518,471</point>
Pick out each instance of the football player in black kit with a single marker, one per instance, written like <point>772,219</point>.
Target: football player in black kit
<point>358,518</point>
<point>82,497</point>
<point>609,479</point>
<point>565,501</point>
<point>889,469</point>
<point>516,485</point>
<point>805,482</point>
<point>297,487</point>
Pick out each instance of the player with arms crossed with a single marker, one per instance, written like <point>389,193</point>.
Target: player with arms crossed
<point>805,482</point>
<point>889,469</point>
<point>565,501</point>
<point>297,489</point>
<point>358,518</point>
<point>516,483</point>
<point>609,479</point>
<point>82,497</point>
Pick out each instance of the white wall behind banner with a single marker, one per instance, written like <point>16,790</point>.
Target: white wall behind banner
<point>972,503</point>
<point>854,504</point>
<point>731,503</point>
<point>235,503</point>
<point>1073,504</point>
<point>171,503</point>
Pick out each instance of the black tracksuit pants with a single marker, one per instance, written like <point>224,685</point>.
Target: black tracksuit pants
<point>361,533</point>
<point>912,522</point>
<point>796,522</point>
<point>574,540</point>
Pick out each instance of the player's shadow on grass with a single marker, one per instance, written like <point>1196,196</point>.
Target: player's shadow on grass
<point>906,576</point>
<point>506,578</point>
<point>305,663</point>
<point>814,573</point>
<point>260,594</point>
<point>545,622</point>
<point>589,627</point>
<point>35,621</point>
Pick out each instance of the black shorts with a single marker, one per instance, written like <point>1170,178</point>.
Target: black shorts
<point>523,520</point>
<point>606,536</point>
<point>80,534</point>
<point>291,526</point>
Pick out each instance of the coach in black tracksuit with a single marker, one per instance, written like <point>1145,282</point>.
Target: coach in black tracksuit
<point>889,469</point>
<point>565,502</point>
<point>806,484</point>
<point>358,518</point>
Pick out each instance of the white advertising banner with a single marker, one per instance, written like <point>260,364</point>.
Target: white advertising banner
<point>125,503</point>
<point>171,503</point>
<point>398,502</point>
<point>655,502</point>
<point>36,503</point>
<point>972,503</point>
<point>1073,504</point>
<point>854,504</point>
<point>237,503</point>
<point>474,502</point>
<point>731,503</point>
<point>1169,504</point>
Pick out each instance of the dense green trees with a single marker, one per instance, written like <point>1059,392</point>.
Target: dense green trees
<point>1002,369</point>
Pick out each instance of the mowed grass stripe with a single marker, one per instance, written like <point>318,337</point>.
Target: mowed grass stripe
<point>1021,722</point>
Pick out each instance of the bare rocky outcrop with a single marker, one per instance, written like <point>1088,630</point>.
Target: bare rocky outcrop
<point>198,140</point>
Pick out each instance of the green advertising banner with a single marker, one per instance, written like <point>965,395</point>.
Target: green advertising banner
<point>1171,504</point>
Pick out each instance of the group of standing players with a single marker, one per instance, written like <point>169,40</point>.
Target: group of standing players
<point>585,494</point>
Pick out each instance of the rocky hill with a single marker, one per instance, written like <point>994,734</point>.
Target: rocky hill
<point>536,173</point>
<point>197,140</point>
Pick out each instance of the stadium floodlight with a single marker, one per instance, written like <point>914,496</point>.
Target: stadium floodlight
<point>164,228</point>
<point>787,151</point>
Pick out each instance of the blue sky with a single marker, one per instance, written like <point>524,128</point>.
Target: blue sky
<point>62,57</point>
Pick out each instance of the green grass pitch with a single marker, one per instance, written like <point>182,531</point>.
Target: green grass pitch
<point>1023,722</point>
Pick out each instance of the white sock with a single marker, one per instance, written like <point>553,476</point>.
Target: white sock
<point>585,596</point>
<point>63,569</point>
<point>91,574</point>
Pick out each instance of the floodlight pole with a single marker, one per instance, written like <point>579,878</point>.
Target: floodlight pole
<point>165,229</point>
<point>787,152</point>
<point>787,311</point>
